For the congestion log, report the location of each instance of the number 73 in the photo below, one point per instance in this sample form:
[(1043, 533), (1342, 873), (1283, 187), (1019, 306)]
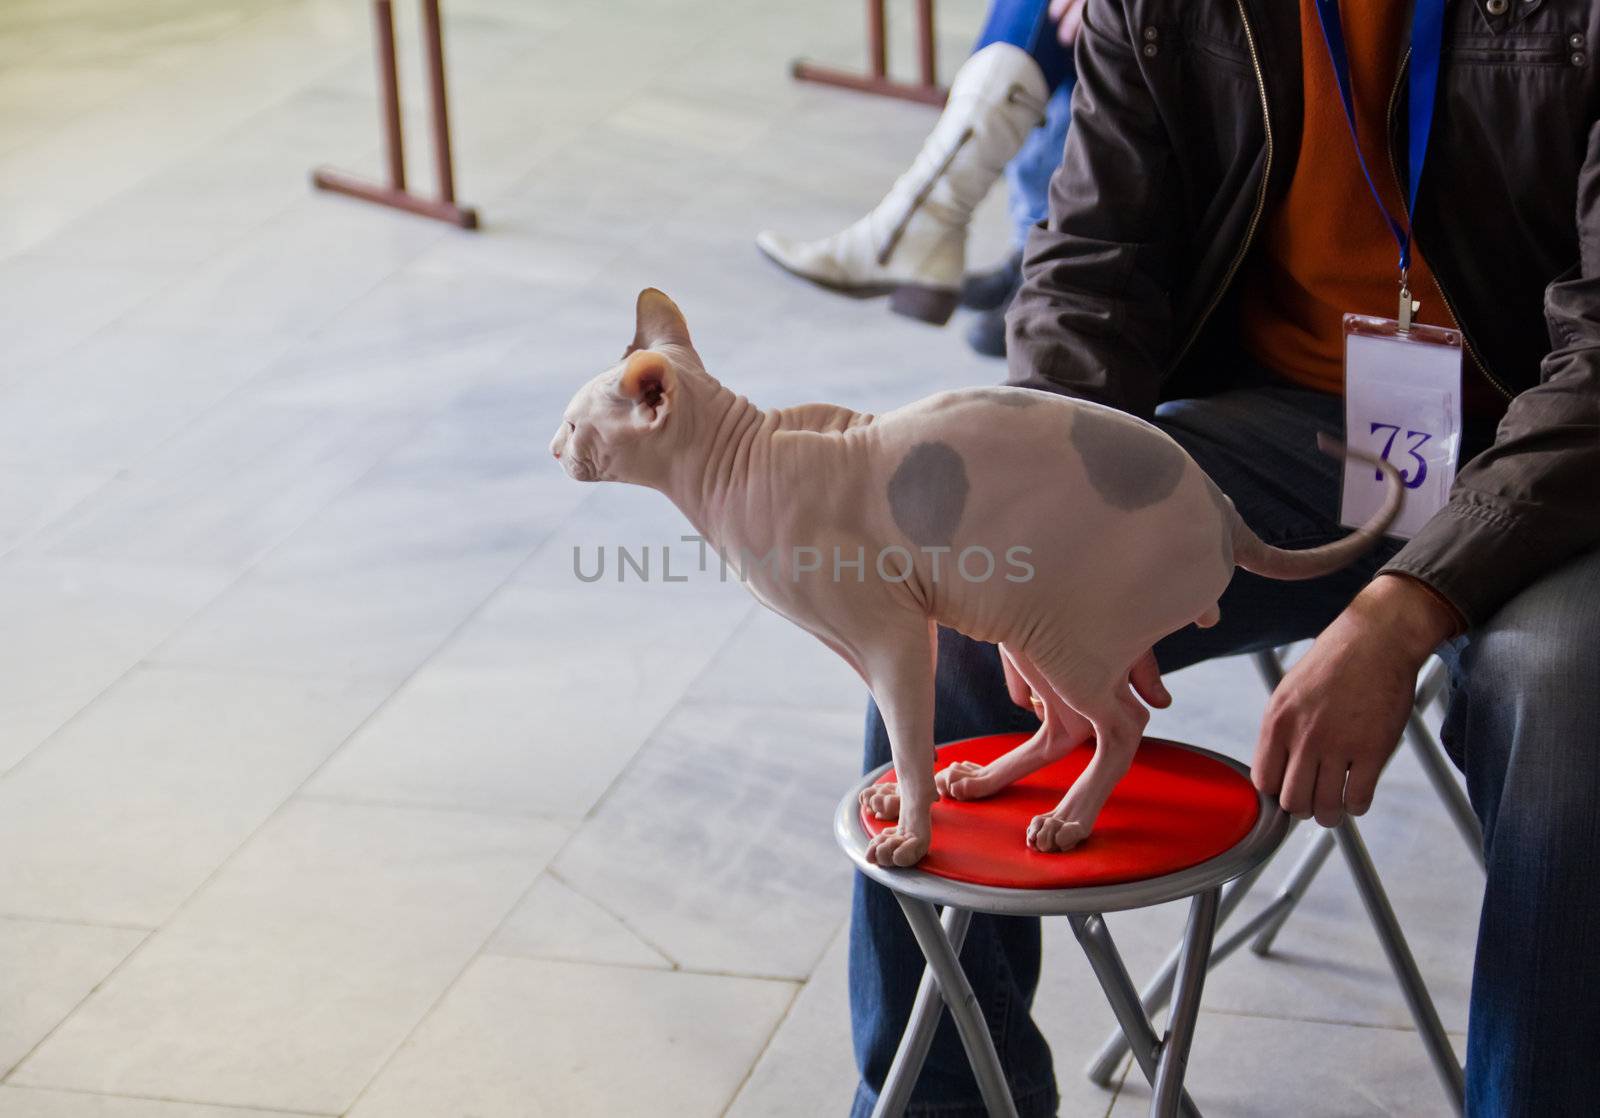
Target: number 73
[(1418, 438)]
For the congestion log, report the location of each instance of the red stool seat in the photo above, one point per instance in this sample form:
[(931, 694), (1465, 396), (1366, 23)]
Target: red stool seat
[(1176, 808)]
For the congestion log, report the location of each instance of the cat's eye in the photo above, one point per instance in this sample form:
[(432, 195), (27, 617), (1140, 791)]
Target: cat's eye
[(571, 426)]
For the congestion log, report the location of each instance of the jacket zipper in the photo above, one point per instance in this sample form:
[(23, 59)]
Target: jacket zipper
[(1261, 195), (1438, 285)]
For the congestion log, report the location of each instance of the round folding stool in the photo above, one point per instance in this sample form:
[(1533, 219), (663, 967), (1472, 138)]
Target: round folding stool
[(1182, 823)]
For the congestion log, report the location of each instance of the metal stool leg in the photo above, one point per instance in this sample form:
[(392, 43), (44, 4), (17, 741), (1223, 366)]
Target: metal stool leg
[(1265, 925), (1385, 925), (1156, 991), (1269, 919), (1400, 958), (1434, 763), (1293, 889), (1270, 667), (1431, 686), (957, 994), (920, 1027), (1192, 968), (1437, 767), (1095, 939)]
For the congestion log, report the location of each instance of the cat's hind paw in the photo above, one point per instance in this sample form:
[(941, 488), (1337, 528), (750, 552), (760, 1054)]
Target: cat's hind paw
[(882, 800), (965, 780), (1050, 834), (897, 846)]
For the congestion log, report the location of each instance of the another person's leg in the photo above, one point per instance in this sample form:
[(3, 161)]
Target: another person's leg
[(1028, 174), (1027, 24), (912, 245), (1522, 722), (1028, 184), (1260, 447)]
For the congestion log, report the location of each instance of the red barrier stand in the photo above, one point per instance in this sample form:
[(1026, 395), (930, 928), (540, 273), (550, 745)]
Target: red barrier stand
[(394, 192)]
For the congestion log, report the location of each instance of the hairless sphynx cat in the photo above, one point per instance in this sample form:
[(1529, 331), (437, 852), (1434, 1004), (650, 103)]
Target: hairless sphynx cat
[(1071, 534)]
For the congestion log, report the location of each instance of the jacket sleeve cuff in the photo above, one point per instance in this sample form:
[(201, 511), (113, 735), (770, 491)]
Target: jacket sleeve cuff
[(1472, 556)]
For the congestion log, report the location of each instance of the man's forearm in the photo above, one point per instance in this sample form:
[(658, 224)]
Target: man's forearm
[(1404, 610)]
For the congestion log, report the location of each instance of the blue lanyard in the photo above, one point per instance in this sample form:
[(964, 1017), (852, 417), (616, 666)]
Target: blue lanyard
[(1427, 36)]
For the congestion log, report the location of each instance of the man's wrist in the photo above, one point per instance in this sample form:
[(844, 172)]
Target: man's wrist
[(1415, 617)]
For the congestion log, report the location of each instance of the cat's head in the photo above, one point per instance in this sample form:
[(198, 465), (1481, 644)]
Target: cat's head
[(624, 424)]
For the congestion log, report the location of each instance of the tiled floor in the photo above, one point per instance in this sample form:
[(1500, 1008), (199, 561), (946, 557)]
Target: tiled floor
[(325, 787)]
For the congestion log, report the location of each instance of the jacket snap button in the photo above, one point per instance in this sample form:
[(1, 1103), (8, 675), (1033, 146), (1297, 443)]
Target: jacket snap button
[(1150, 34), (1497, 7), (1579, 58), (1150, 50), (1575, 40)]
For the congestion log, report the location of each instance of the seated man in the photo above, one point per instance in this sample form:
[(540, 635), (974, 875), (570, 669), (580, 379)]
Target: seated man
[(1210, 226)]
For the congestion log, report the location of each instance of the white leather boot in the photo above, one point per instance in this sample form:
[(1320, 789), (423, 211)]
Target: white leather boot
[(912, 246)]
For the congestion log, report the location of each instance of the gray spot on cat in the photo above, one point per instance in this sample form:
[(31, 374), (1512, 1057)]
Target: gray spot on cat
[(1226, 511), (1129, 469), (928, 493), (1011, 397)]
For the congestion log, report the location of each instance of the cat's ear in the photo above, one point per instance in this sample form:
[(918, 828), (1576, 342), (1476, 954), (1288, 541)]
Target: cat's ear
[(659, 322), (648, 383)]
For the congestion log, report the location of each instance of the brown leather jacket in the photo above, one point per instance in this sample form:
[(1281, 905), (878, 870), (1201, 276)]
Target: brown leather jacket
[(1185, 124)]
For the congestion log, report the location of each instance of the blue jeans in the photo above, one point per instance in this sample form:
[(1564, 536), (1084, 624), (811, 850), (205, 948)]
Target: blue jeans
[(1521, 723), (1028, 173), (1027, 24)]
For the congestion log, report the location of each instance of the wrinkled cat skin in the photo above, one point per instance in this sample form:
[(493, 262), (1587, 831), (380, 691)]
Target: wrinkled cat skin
[(1102, 537)]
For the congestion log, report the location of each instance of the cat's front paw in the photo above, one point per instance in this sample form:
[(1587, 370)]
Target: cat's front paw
[(965, 780), (898, 846), (882, 800), (1050, 834)]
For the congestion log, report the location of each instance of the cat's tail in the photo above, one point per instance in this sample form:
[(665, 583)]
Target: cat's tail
[(1274, 562)]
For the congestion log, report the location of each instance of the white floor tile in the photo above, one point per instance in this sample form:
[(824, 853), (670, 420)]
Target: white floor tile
[(555, 922), (717, 844), (32, 497), (73, 629), (808, 1069), (506, 718), (374, 623), (403, 376), (296, 271), (121, 394), (772, 662), (228, 488), (46, 969), (212, 79), (294, 974), (125, 812), (522, 1037), (49, 306), (32, 1102)]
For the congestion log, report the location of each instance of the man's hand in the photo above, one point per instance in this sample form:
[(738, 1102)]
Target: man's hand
[(1068, 15), (1341, 709)]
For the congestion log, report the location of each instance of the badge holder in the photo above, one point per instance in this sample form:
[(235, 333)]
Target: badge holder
[(1402, 404), (1402, 380)]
